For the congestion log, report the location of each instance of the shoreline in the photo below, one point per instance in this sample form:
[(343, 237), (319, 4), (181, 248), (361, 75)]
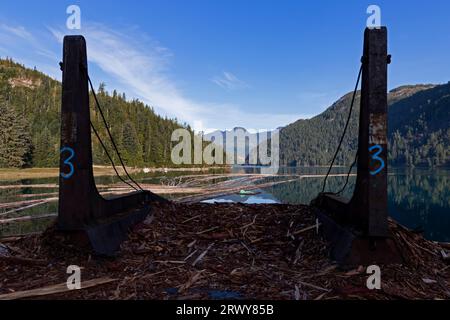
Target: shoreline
[(7, 174), (14, 174)]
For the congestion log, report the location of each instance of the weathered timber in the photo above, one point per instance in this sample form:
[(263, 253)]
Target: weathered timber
[(357, 229), (81, 207)]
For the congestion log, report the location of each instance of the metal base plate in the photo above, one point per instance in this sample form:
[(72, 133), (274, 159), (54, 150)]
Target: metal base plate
[(105, 236), (348, 247)]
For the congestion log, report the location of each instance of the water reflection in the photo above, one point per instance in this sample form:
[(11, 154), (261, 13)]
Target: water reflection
[(419, 199)]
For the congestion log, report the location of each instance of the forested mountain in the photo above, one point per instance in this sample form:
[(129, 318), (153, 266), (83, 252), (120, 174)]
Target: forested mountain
[(234, 146), (30, 104), (30, 101), (419, 130)]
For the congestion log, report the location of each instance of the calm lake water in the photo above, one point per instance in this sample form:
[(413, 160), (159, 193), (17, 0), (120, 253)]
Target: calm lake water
[(419, 199)]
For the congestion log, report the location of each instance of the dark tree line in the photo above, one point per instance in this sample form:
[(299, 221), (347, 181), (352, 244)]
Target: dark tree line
[(30, 105)]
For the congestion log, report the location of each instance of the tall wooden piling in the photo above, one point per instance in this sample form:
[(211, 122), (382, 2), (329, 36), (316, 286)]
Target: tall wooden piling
[(81, 207), (370, 199), (357, 229)]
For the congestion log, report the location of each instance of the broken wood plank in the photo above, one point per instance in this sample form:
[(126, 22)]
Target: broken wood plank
[(202, 255), (23, 203), (207, 230), (190, 219), (24, 208), (27, 218), (53, 289), (306, 229), (16, 237), (313, 286)]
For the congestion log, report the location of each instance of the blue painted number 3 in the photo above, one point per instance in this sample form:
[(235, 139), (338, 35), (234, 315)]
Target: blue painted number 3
[(376, 157), (67, 162)]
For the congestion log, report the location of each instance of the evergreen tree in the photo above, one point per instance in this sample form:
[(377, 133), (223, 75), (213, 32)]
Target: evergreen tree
[(133, 124), (43, 156), (131, 147), (15, 139)]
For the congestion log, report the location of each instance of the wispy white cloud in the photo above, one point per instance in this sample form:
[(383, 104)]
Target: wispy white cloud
[(18, 31), (229, 81), (32, 49), (141, 67)]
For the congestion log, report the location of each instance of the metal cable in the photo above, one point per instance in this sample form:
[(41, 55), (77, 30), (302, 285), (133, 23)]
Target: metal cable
[(110, 159), (109, 133), (348, 175), (345, 128)]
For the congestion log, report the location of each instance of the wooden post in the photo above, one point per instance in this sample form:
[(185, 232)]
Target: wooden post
[(81, 207), (370, 199), (76, 174), (357, 229)]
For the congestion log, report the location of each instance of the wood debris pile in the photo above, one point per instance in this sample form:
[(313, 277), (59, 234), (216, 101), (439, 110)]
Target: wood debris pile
[(220, 251)]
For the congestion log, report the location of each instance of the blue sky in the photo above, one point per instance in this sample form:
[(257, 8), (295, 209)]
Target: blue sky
[(225, 63)]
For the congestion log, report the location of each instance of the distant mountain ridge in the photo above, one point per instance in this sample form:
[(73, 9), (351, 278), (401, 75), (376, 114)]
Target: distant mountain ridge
[(419, 133), (241, 151), (313, 142)]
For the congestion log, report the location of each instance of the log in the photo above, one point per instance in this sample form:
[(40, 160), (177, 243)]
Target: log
[(27, 218), (296, 233), (53, 289), (24, 208), (16, 237), (23, 203)]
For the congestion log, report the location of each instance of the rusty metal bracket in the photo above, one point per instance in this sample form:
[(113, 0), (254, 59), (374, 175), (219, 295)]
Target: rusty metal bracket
[(81, 207)]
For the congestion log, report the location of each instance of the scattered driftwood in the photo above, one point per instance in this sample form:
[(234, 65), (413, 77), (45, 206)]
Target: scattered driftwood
[(200, 186), (27, 218), (314, 227), (210, 193), (19, 204), (17, 237), (23, 261), (23, 186), (202, 255), (257, 252), (58, 288), (24, 208), (35, 195), (191, 281), (313, 286)]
